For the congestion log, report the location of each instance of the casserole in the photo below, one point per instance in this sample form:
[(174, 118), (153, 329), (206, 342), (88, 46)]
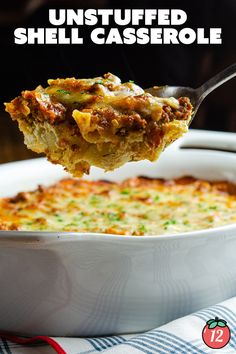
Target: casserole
[(77, 284), (136, 206)]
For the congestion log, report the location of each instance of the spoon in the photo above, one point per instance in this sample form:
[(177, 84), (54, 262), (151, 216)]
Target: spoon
[(197, 95)]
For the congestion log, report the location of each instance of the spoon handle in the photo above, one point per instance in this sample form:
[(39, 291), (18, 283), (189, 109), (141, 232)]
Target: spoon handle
[(216, 81)]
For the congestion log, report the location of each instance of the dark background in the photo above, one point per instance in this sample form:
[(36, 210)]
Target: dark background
[(26, 66)]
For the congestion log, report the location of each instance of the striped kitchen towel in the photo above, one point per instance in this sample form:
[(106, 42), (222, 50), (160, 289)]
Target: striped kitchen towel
[(193, 334)]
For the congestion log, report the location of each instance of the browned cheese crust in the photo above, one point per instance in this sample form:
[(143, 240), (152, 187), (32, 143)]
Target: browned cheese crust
[(137, 206)]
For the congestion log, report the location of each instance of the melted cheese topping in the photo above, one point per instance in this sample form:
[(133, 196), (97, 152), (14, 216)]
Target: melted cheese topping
[(137, 206)]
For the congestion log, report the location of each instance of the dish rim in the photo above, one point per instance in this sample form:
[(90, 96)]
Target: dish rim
[(60, 236)]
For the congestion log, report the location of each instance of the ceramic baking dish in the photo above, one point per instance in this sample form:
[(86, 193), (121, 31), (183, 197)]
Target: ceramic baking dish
[(77, 284)]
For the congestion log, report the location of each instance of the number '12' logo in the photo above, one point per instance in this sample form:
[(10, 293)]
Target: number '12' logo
[(216, 333)]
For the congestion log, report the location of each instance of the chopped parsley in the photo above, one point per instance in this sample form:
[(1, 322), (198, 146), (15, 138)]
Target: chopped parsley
[(142, 228), (64, 92), (72, 201), (86, 223), (125, 191), (213, 207), (95, 199), (79, 216), (58, 217), (204, 208), (169, 222), (113, 216), (156, 198), (71, 224), (131, 81), (100, 82)]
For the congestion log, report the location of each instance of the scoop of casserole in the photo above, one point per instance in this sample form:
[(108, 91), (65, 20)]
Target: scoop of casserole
[(98, 122)]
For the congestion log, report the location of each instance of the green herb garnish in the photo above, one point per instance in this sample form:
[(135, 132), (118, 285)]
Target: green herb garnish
[(213, 207), (71, 224), (95, 199), (113, 216), (58, 217), (142, 228), (169, 222), (64, 92), (79, 216), (125, 191), (72, 201)]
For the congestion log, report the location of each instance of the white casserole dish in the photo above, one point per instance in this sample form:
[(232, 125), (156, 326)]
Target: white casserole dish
[(74, 284)]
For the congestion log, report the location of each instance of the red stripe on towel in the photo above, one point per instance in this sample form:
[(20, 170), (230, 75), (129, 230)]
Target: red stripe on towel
[(48, 340)]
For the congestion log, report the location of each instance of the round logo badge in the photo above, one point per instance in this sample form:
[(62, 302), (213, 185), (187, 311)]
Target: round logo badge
[(216, 333)]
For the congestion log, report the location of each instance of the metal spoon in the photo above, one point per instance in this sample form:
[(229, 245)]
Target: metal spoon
[(197, 95)]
